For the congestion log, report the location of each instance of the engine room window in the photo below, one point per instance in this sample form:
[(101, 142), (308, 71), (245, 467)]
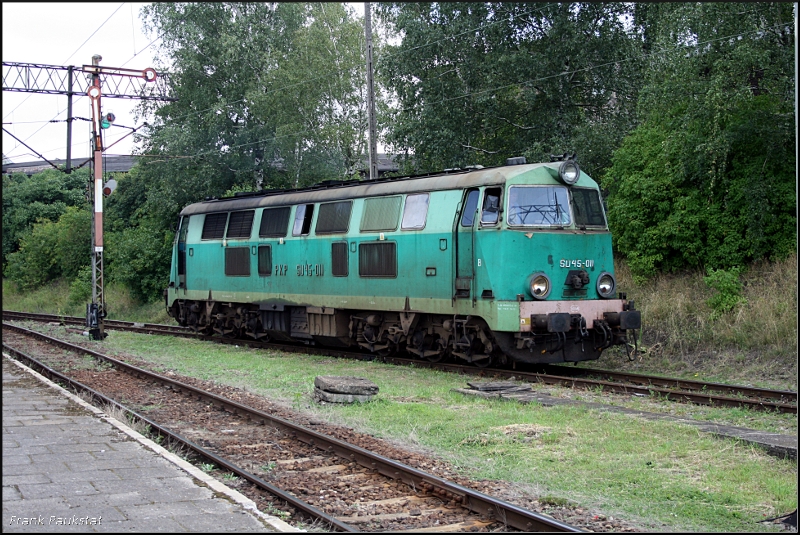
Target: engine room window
[(468, 213), (380, 214), (240, 224), (265, 260), (377, 259), (302, 220), (588, 208), (237, 261), (415, 212), (214, 226), (490, 213), (538, 206), (334, 217), (274, 222)]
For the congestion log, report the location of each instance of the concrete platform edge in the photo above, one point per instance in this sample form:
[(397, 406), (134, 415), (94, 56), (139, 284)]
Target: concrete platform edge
[(192, 470)]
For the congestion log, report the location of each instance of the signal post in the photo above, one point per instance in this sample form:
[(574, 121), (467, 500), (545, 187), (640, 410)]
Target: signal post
[(96, 310)]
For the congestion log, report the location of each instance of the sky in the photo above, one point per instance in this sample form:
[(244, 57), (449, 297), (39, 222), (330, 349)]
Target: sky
[(64, 34)]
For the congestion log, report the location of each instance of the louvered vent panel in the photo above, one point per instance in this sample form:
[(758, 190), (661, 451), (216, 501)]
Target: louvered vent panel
[(237, 261), (265, 260), (339, 259), (377, 259), (333, 217)]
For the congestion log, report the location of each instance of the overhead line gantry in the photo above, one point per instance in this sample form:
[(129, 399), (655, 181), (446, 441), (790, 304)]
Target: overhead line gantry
[(112, 82)]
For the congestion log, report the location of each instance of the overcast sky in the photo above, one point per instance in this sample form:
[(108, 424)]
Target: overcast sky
[(64, 34), (68, 34)]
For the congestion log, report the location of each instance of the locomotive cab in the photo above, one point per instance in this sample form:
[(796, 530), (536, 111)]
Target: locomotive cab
[(558, 246)]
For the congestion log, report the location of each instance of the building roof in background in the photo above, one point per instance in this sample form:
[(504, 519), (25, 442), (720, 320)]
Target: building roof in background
[(112, 163), (115, 163)]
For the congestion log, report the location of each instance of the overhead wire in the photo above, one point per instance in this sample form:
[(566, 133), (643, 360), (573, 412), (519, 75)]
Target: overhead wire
[(283, 88), (63, 62), (93, 33), (70, 57)]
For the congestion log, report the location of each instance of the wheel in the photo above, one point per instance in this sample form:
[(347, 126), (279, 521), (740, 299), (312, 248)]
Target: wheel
[(436, 358), (483, 363)]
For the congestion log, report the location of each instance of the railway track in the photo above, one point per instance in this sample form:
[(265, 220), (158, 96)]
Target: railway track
[(344, 486), (680, 390)]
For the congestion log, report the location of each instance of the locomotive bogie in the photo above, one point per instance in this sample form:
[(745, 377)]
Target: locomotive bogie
[(490, 265)]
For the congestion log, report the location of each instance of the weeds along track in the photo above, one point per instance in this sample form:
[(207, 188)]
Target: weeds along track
[(288, 469), (680, 390)]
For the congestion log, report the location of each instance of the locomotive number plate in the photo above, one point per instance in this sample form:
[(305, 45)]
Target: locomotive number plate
[(579, 263)]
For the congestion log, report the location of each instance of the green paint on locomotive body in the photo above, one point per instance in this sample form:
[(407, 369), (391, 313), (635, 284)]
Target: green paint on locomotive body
[(301, 273)]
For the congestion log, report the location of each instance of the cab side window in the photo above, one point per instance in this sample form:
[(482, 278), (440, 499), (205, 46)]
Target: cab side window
[(302, 220), (490, 213), (471, 205)]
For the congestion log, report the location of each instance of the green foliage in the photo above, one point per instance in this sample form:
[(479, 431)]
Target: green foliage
[(238, 189), (34, 264), (45, 195), (52, 250), (269, 96), (479, 82), (80, 289), (73, 252), (141, 259), (126, 206), (729, 290), (708, 178)]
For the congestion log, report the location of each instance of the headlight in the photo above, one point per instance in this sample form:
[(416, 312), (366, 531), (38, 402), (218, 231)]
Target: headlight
[(569, 172), (606, 285), (539, 285)]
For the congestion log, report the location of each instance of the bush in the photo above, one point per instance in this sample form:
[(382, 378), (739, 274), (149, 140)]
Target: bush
[(728, 291), (80, 290), (74, 250), (140, 259), (52, 250), (34, 264), (43, 196)]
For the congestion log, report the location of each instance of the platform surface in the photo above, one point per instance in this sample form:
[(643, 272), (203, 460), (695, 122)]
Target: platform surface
[(69, 467)]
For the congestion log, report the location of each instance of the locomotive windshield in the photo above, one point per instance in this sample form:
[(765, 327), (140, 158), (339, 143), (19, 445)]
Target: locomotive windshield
[(587, 208), (538, 206)]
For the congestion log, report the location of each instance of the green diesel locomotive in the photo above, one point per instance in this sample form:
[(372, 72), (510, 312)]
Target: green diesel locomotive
[(502, 264)]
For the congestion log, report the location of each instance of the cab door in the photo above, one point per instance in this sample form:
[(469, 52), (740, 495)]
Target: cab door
[(184, 229), (464, 239)]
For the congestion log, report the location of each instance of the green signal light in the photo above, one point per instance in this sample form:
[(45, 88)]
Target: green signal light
[(104, 123)]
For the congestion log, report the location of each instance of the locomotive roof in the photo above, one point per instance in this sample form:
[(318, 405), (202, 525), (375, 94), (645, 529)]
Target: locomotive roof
[(341, 190)]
